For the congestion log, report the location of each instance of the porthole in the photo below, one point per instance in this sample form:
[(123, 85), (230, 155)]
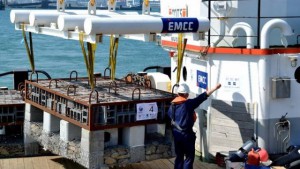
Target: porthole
[(184, 73), (297, 74)]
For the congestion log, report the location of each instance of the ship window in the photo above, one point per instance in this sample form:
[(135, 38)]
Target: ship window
[(184, 73), (297, 74)]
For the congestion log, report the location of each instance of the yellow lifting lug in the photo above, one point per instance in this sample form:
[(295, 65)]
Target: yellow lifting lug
[(111, 5), (60, 5), (92, 2), (92, 7), (146, 3), (89, 59), (146, 7), (29, 49), (181, 49), (113, 50)]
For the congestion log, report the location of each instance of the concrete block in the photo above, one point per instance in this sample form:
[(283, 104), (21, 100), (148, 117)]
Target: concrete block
[(92, 148), (134, 136), (85, 133), (31, 146), (50, 123), (156, 128), (63, 148), (69, 131), (85, 144), (33, 114), (91, 160), (92, 140), (137, 154), (113, 137), (27, 115)]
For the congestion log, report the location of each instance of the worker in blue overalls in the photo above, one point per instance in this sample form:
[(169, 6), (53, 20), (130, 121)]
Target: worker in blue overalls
[(183, 116)]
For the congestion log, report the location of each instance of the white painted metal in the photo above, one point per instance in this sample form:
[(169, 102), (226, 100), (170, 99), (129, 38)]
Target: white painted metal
[(220, 37), (69, 22), (251, 73), (160, 81), (19, 16), (92, 10), (248, 30), (284, 27), (133, 25), (43, 18), (121, 26), (22, 15)]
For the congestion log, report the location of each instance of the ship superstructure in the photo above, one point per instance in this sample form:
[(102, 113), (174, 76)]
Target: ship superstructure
[(252, 49)]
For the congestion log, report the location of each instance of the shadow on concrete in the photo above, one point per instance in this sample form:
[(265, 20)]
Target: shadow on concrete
[(68, 164)]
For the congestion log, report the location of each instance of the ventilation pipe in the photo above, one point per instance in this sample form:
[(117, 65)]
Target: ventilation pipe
[(248, 30), (284, 27), (218, 39), (222, 8)]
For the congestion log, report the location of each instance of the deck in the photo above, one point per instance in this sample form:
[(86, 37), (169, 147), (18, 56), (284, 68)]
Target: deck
[(57, 162)]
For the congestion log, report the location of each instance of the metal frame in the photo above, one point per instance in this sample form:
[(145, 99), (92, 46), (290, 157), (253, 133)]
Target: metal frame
[(90, 123)]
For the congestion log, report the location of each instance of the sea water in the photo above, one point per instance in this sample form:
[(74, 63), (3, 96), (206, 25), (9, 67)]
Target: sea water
[(59, 56)]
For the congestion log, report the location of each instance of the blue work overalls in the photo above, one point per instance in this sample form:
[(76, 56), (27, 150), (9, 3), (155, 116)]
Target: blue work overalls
[(184, 136)]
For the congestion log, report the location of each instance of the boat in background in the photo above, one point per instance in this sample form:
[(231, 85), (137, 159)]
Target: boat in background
[(75, 4)]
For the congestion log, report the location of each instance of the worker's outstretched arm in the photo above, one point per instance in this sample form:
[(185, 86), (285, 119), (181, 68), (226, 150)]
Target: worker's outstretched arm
[(210, 91)]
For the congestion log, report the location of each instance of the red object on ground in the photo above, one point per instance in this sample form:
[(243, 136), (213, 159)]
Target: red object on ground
[(220, 161), (253, 158), (263, 155)]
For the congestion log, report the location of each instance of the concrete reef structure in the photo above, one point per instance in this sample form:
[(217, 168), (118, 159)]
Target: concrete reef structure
[(97, 129), (11, 109)]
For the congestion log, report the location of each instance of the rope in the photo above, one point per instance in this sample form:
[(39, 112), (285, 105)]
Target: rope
[(113, 50), (29, 50), (181, 49), (89, 58)]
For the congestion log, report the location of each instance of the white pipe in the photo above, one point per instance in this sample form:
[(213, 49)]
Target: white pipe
[(274, 23), (22, 16), (142, 25), (19, 16), (69, 22), (43, 17), (264, 102), (248, 30), (217, 40)]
